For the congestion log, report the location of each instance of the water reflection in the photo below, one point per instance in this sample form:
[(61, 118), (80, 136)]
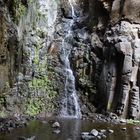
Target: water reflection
[(71, 130)]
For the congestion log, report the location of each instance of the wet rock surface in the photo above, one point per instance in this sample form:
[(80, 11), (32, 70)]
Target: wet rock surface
[(56, 125), (8, 124), (24, 138), (121, 74), (96, 134)]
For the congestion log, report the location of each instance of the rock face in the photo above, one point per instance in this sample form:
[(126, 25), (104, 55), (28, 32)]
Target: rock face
[(25, 77), (122, 8), (8, 53), (8, 50), (107, 61), (120, 70), (119, 77), (96, 41)]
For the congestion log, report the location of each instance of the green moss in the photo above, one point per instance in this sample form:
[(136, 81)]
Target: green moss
[(2, 100), (3, 114), (36, 57), (19, 10), (34, 106), (130, 121), (30, 1), (42, 102), (42, 82)]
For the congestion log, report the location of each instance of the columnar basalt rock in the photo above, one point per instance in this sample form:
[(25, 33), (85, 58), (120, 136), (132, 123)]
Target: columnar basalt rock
[(122, 39), (126, 49), (134, 109)]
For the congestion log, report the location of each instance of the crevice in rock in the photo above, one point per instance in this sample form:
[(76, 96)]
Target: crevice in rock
[(122, 4)]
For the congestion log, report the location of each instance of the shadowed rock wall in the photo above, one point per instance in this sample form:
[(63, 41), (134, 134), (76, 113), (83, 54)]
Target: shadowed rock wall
[(118, 87), (8, 49)]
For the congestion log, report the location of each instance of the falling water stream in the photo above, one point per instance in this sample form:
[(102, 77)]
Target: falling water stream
[(70, 106), (48, 11)]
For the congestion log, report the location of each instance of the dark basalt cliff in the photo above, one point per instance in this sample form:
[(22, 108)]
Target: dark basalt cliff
[(41, 41)]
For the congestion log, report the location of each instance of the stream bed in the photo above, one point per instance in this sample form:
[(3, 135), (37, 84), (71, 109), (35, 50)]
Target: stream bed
[(71, 129)]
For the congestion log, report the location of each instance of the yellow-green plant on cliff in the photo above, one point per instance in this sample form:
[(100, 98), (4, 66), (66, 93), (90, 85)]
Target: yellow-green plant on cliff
[(45, 94), (20, 9), (42, 90)]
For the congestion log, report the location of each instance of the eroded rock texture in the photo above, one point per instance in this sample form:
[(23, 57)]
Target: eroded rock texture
[(119, 80), (106, 57), (8, 49), (120, 69), (8, 52)]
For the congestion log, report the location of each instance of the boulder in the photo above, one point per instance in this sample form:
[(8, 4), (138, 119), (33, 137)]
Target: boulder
[(86, 136), (56, 125), (94, 132), (110, 131)]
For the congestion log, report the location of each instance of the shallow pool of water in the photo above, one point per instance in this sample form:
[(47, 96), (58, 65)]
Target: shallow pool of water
[(71, 130)]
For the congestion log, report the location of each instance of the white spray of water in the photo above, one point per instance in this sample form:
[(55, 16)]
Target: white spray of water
[(71, 106)]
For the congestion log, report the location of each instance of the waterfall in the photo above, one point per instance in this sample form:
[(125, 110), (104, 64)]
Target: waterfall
[(40, 17), (70, 107)]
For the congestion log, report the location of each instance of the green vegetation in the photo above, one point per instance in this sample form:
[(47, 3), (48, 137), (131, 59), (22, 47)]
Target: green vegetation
[(130, 121), (2, 101), (42, 101), (42, 90), (2, 104), (20, 9), (34, 106), (3, 114)]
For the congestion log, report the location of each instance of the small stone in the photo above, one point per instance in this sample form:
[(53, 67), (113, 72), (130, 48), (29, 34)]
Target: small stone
[(24, 138), (110, 131), (103, 131), (100, 134), (137, 128), (56, 131), (122, 121), (94, 132), (31, 138), (87, 137), (99, 137), (56, 125), (103, 136), (124, 129), (85, 133)]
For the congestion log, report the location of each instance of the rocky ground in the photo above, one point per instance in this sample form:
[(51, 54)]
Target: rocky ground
[(8, 124)]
